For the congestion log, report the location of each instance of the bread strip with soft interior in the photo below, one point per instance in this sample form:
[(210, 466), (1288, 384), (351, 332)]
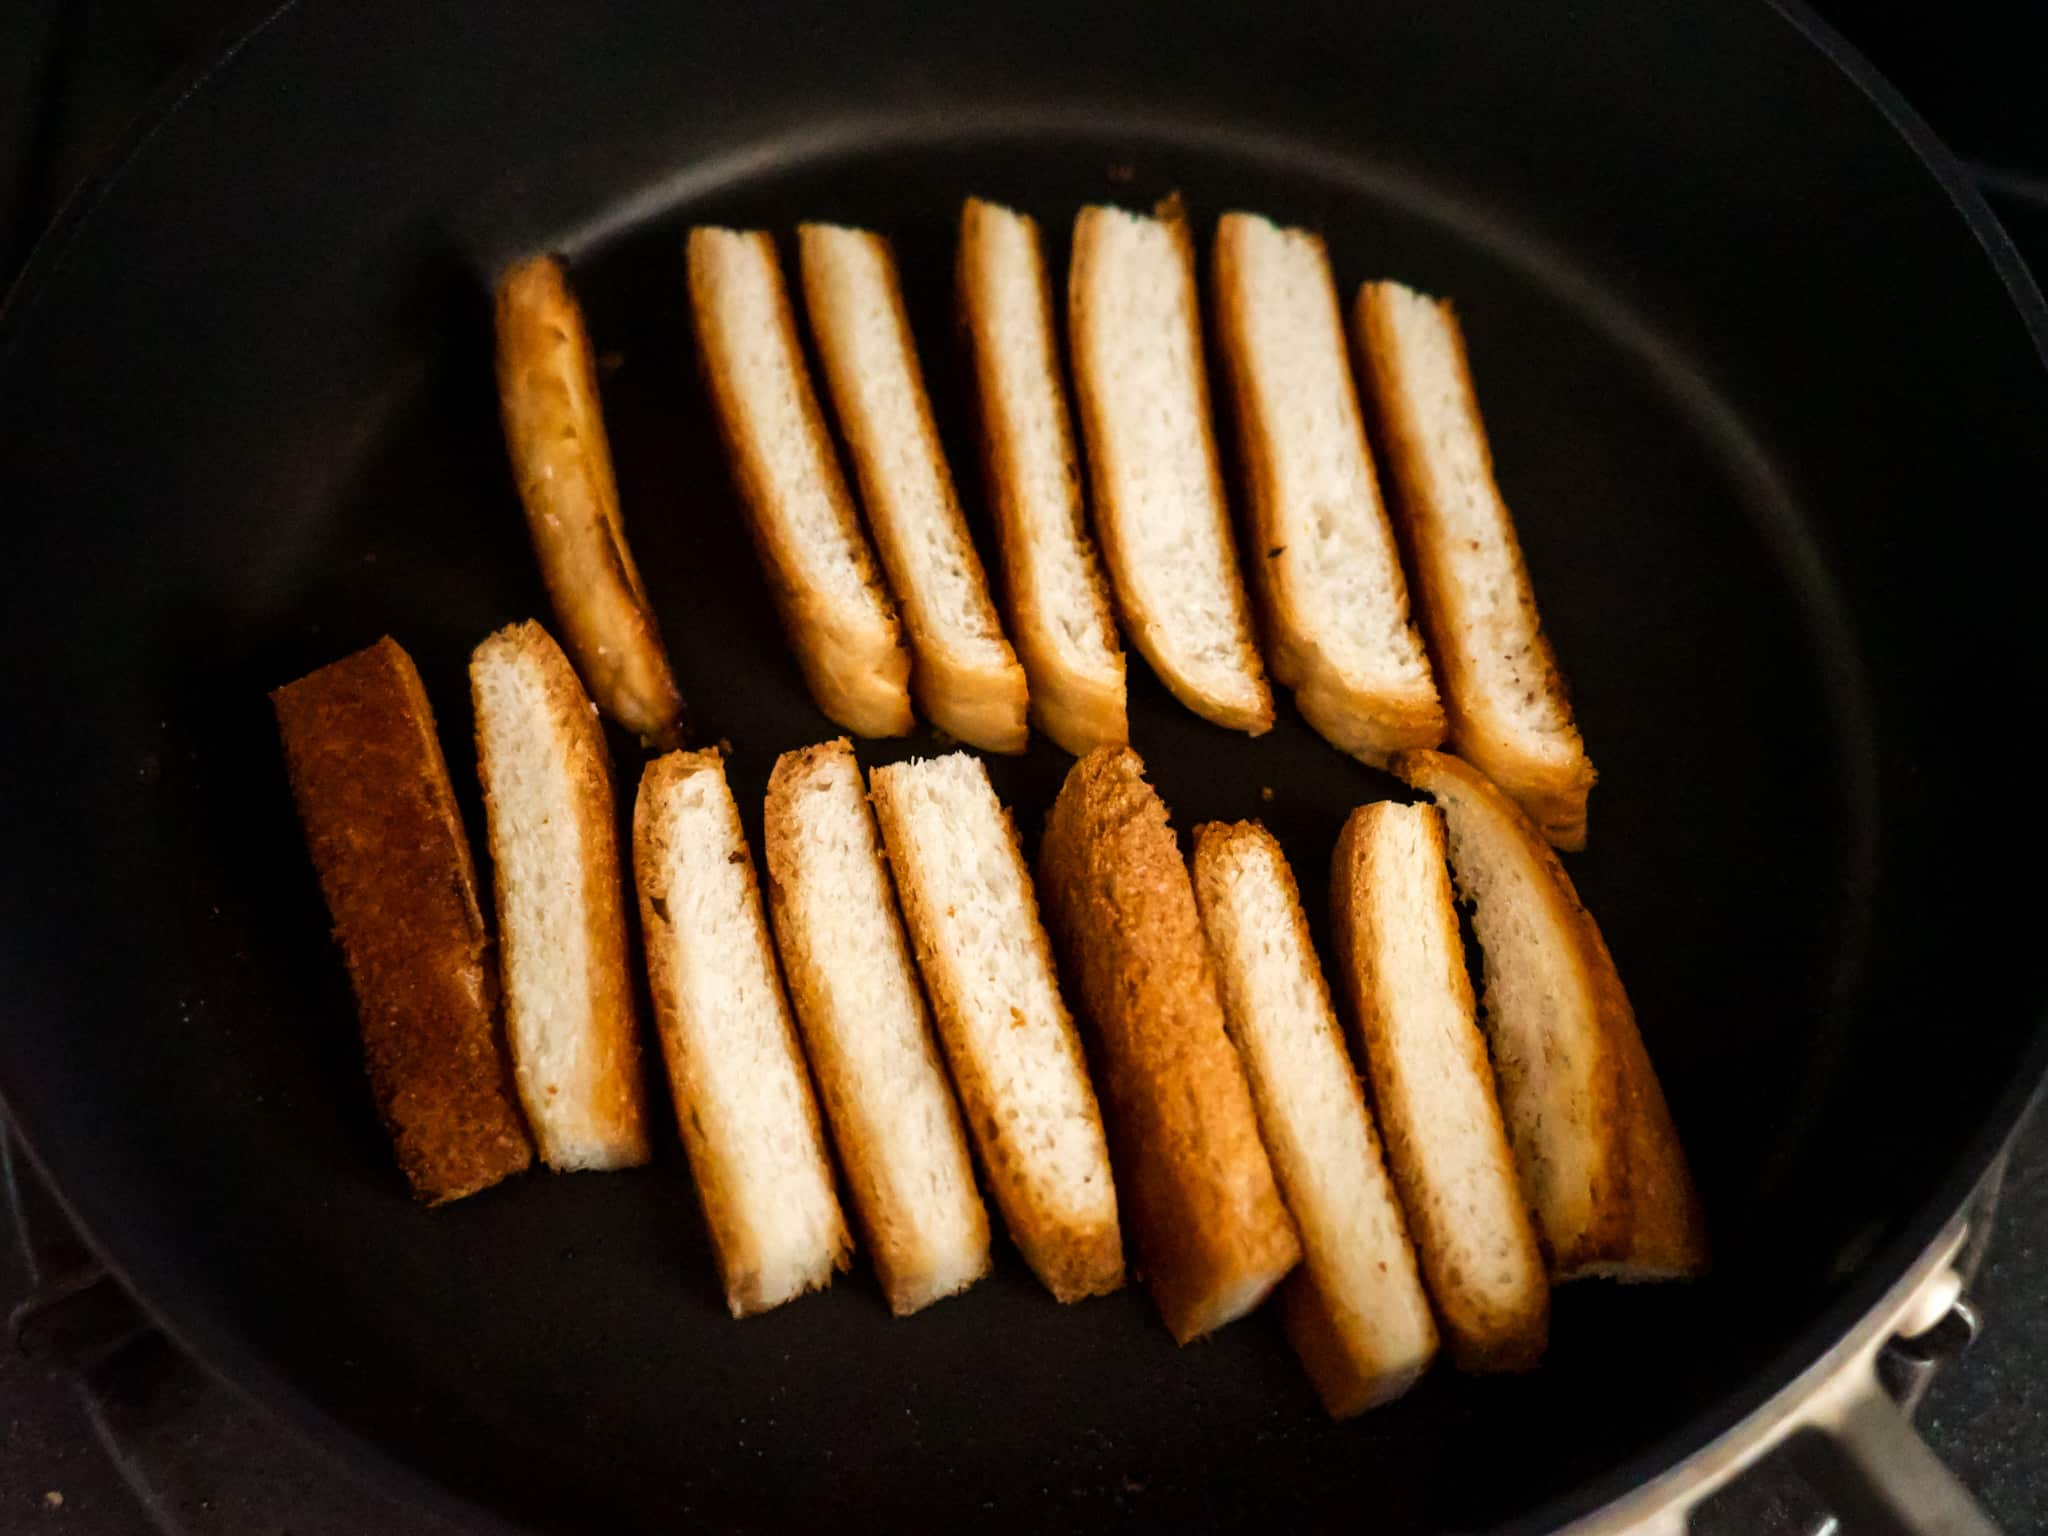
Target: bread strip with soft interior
[(743, 1099), (562, 462), (840, 620), (1322, 553), (394, 864), (1015, 1055), (1054, 594), (965, 676), (1355, 1310), (1600, 1158), (868, 1033), (1398, 950), (562, 963), (1160, 512), (1191, 1169), (1503, 695)]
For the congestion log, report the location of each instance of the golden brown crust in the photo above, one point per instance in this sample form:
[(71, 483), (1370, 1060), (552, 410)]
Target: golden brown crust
[(561, 458), (978, 695), (1073, 1258), (1369, 721), (903, 1258), (727, 1219), (1667, 1228), (1077, 693), (1190, 1164), (1483, 1334), (1552, 787), (855, 662), (1647, 1222), (384, 834), (616, 1108), (1091, 395)]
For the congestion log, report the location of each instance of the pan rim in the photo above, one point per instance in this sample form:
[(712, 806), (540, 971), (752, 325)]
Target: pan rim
[(217, 1349)]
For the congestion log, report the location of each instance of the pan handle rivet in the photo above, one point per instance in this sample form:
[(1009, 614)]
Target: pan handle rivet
[(1940, 1297)]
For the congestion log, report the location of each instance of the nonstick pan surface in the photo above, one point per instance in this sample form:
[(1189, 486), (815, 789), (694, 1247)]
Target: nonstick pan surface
[(1763, 394)]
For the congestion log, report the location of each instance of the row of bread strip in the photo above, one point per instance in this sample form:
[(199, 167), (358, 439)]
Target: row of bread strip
[(872, 634), (1592, 1176)]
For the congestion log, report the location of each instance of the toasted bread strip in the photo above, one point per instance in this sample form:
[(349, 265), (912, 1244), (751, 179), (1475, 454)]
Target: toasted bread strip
[(1009, 1039), (1396, 937), (1193, 1173), (380, 821), (868, 1033), (1355, 1310), (1336, 604), (743, 1099), (547, 782), (1159, 506), (562, 460), (1506, 702), (820, 571), (1054, 595), (966, 677), (1600, 1159)]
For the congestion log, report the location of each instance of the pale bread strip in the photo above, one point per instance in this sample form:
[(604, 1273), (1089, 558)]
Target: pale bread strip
[(1192, 1172), (867, 1031), (547, 782), (1600, 1159), (965, 676), (1015, 1056), (1160, 513), (1507, 707), (1355, 1310), (1398, 950), (1056, 600), (743, 1100), (1327, 569), (562, 461), (820, 571)]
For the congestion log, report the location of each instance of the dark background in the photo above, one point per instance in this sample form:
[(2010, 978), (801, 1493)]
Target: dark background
[(75, 76)]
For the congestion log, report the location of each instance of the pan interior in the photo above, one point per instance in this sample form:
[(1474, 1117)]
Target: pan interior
[(1648, 524), (262, 441)]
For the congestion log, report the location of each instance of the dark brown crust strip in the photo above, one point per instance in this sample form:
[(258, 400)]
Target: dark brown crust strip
[(1190, 1165), (381, 824)]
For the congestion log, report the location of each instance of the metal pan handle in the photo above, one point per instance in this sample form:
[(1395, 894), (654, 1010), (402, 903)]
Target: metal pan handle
[(1872, 1469), (1840, 1429)]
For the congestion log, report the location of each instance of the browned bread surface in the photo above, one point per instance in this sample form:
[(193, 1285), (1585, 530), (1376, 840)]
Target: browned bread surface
[(562, 461), (380, 822), (1191, 1168)]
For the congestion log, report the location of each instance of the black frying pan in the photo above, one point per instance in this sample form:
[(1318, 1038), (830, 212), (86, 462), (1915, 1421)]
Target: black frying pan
[(1763, 393)]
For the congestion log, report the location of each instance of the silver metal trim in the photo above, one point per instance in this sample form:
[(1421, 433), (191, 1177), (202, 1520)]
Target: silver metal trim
[(1870, 1439)]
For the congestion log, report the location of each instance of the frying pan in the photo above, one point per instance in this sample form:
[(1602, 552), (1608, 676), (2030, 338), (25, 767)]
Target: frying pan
[(1766, 390)]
